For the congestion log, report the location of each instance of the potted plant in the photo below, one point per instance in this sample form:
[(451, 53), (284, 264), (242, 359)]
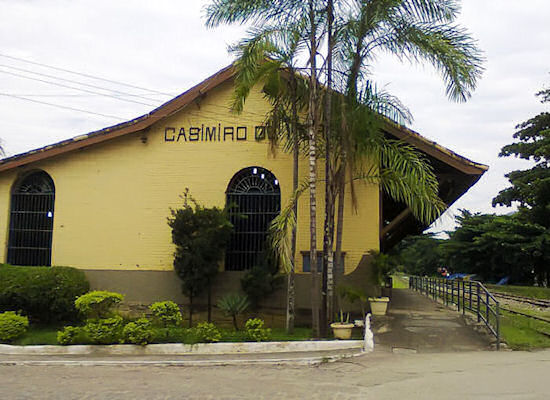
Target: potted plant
[(342, 328), (381, 266)]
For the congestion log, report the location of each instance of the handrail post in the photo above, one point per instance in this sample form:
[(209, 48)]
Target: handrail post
[(452, 292), (497, 309), (470, 293), (463, 297), (478, 310), (487, 306)]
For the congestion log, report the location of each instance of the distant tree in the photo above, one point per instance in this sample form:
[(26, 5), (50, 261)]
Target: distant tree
[(201, 235), (531, 187), (495, 246), (420, 255)]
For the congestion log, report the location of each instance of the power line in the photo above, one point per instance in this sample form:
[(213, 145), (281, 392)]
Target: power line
[(76, 88), (73, 81), (85, 75), (53, 95), (60, 106)]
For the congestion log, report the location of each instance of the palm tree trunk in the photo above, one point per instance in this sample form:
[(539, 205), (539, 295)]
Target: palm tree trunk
[(340, 219), (290, 297), (328, 260), (312, 131)]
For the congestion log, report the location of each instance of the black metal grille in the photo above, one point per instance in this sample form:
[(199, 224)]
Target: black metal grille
[(255, 197), (31, 221)]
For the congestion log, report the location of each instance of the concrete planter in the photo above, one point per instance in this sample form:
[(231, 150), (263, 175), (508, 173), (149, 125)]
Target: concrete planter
[(379, 305), (342, 330)]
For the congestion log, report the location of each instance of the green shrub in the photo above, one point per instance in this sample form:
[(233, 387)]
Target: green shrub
[(69, 335), (98, 304), (166, 313), (233, 305), (261, 281), (44, 294), (206, 332), (138, 332), (12, 326), (255, 330), (105, 330)]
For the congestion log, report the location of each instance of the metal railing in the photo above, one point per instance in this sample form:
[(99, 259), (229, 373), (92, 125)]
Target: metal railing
[(469, 296)]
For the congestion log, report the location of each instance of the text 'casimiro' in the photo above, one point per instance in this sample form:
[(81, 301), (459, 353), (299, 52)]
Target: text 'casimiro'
[(209, 133)]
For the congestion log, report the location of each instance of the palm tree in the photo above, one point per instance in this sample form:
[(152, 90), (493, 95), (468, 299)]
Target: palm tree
[(269, 56), (414, 30), (284, 13)]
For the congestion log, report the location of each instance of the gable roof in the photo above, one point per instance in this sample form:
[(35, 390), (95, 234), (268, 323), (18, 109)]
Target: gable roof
[(195, 93)]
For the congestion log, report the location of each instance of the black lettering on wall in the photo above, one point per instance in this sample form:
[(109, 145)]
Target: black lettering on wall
[(210, 134), (259, 133), (228, 130), (241, 133), (182, 134), (172, 132), (194, 133)]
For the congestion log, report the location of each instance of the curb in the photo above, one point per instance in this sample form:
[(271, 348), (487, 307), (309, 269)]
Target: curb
[(306, 361), (185, 349)]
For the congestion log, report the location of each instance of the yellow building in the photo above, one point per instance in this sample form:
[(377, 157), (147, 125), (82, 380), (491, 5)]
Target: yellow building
[(100, 201)]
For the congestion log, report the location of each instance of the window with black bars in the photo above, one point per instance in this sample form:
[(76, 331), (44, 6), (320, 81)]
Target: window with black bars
[(31, 221), (254, 198)]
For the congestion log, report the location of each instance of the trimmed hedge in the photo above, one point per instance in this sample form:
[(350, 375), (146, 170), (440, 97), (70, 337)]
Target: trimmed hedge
[(44, 294)]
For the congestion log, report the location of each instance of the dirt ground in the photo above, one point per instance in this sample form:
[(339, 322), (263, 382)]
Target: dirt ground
[(380, 375)]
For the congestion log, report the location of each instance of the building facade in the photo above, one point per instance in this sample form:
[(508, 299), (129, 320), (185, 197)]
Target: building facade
[(100, 202)]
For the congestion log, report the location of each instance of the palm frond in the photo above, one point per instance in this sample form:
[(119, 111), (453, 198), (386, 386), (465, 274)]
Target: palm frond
[(281, 228)]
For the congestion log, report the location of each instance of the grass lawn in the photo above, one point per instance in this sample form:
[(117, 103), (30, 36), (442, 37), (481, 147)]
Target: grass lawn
[(400, 281), (527, 291), (523, 333), (39, 335)]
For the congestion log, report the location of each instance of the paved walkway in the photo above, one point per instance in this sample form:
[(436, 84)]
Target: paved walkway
[(416, 323)]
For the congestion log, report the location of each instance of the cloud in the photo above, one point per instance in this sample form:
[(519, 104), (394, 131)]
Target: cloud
[(164, 45)]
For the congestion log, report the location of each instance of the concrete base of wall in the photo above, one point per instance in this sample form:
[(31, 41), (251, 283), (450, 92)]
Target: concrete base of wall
[(145, 287)]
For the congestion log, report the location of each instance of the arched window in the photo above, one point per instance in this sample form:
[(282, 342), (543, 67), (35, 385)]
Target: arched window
[(31, 220), (256, 198)]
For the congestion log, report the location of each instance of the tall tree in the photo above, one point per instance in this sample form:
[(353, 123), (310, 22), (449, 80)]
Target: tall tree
[(530, 188), (415, 30), (268, 57), (497, 246), (200, 235), (420, 255)]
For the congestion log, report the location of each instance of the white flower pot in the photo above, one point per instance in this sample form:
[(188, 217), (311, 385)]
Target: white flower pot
[(342, 330), (378, 305)]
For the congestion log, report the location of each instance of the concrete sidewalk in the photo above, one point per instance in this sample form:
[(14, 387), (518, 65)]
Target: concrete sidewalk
[(415, 323)]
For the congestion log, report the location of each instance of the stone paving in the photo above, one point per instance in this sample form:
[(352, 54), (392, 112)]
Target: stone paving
[(415, 323)]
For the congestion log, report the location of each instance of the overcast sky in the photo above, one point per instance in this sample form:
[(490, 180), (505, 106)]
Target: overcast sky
[(163, 46)]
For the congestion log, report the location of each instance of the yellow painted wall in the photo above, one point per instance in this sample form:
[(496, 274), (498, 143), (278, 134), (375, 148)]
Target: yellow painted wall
[(113, 199)]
